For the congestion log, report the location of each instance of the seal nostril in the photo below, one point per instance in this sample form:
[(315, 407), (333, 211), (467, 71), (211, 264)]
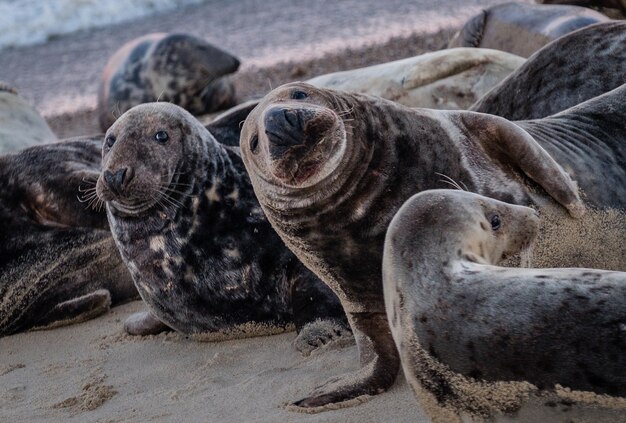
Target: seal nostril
[(115, 179), (291, 117)]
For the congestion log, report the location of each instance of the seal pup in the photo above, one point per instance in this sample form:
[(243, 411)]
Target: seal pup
[(521, 28), (176, 68), (201, 253), (59, 262), (446, 79), (21, 125), (446, 298), (330, 170), (574, 68)]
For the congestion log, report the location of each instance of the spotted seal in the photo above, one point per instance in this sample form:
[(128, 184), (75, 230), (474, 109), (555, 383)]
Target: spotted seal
[(331, 168), (574, 68), (176, 68), (521, 28), (21, 126), (445, 297), (59, 262), (201, 252), (445, 79)]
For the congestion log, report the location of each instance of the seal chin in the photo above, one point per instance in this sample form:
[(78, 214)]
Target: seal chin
[(131, 209)]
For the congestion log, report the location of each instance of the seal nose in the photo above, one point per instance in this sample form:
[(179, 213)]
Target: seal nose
[(284, 127), (115, 180)]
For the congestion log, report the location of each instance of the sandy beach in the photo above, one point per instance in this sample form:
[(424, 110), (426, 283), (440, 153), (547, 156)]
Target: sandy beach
[(93, 372)]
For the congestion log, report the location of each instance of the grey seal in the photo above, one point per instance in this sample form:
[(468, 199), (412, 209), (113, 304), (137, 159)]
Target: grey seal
[(521, 28), (59, 262), (330, 170), (446, 79), (446, 298), (176, 68), (568, 71), (201, 253), (21, 125)]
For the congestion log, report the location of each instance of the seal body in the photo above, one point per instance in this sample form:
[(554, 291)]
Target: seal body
[(331, 169), (21, 126), (521, 28), (202, 254), (445, 297), (612, 8), (59, 262), (445, 79), (572, 69), (175, 68)]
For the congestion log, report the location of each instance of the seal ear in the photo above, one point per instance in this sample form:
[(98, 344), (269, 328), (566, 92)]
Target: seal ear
[(226, 128), (508, 144)]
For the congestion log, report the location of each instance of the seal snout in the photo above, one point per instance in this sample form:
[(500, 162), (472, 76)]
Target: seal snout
[(118, 179), (284, 128)]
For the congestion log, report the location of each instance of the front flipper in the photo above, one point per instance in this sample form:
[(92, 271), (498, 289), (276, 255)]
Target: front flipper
[(317, 314), (76, 310), (144, 323), (379, 364)]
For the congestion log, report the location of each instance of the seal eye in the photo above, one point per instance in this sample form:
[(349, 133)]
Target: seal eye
[(495, 222), (109, 141), (254, 144), (299, 95), (161, 136)]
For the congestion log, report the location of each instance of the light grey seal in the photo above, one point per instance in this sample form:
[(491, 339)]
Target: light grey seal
[(521, 28), (21, 125), (175, 68), (446, 298)]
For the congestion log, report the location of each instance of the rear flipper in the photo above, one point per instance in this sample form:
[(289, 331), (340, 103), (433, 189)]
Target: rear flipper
[(144, 323), (76, 310), (318, 315)]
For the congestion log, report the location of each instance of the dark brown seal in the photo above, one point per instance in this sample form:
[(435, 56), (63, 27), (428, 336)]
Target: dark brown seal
[(59, 263), (331, 169), (576, 67), (201, 252), (521, 28), (176, 68), (449, 304)]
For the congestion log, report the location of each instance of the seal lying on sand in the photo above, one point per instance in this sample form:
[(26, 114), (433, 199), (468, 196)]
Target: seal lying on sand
[(175, 68), (522, 28), (330, 170), (445, 298), (445, 79), (21, 126), (576, 67), (59, 263), (188, 226)]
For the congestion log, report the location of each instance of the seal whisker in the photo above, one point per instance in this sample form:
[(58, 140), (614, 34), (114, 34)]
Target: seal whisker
[(451, 181)]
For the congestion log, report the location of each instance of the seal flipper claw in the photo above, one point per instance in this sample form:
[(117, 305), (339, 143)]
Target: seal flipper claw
[(144, 323), (77, 310)]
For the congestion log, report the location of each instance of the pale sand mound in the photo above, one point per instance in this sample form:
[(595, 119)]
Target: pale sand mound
[(92, 372)]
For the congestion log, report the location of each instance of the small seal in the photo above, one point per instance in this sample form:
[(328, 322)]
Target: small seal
[(445, 79), (576, 67), (59, 262), (21, 125), (175, 68), (521, 28), (202, 254), (330, 170), (446, 298)]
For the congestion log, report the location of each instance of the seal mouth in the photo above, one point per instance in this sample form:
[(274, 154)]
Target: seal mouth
[(132, 209)]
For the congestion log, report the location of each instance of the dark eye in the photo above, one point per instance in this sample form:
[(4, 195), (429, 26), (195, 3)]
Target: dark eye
[(109, 141), (495, 222), (254, 144), (299, 95), (161, 136)]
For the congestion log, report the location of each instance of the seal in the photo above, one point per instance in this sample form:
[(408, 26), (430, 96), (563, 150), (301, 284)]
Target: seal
[(201, 253), (521, 28), (59, 262), (446, 79), (21, 125), (176, 68), (615, 9), (562, 74), (446, 298), (330, 170)]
